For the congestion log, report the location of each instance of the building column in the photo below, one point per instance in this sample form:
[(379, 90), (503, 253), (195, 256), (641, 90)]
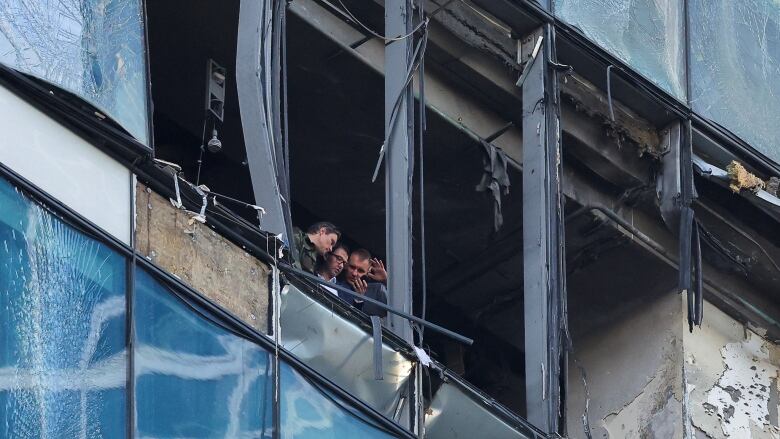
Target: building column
[(543, 241)]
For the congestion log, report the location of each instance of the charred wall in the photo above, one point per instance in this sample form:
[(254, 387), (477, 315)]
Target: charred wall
[(633, 372)]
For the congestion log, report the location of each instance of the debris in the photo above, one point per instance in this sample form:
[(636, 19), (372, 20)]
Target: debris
[(773, 186), (741, 178)]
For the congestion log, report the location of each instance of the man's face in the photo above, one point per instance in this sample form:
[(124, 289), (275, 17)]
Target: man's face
[(324, 241), (356, 268), (336, 261)]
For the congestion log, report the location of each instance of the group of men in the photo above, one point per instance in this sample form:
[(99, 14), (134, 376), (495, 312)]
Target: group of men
[(321, 253)]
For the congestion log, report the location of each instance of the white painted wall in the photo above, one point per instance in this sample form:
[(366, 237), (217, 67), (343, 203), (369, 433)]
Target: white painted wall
[(65, 166)]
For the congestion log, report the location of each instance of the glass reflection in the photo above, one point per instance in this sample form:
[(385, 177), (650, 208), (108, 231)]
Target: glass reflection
[(93, 48), (308, 412), (645, 34), (193, 378), (735, 68), (62, 327)]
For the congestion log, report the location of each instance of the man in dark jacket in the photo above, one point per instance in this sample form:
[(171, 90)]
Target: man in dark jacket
[(360, 266), (314, 244)]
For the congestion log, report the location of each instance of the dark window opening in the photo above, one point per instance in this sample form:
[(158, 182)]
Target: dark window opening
[(474, 274), (183, 37)]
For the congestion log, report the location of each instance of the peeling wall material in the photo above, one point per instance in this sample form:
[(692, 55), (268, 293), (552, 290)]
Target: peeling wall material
[(634, 375), (732, 375), (202, 258)]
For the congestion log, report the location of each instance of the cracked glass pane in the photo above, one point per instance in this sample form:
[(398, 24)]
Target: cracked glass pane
[(93, 48), (648, 35), (735, 68), (62, 327)]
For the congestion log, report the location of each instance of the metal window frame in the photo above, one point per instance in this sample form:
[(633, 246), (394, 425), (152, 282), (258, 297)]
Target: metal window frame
[(523, 15), (184, 292)]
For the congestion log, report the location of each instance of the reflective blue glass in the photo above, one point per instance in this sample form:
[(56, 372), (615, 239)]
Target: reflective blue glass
[(735, 68), (193, 378), (308, 412), (62, 327), (648, 35), (93, 48)]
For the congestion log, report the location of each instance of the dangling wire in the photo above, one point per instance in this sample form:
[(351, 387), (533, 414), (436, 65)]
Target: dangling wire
[(202, 147), (419, 53), (421, 133), (345, 11)]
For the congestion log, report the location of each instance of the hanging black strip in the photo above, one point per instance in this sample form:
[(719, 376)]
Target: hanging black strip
[(685, 263), (699, 279)]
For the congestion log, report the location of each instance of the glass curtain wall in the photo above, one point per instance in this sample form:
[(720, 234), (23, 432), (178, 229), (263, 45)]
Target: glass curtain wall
[(735, 68), (193, 378), (63, 359), (648, 35), (92, 48), (64, 362)]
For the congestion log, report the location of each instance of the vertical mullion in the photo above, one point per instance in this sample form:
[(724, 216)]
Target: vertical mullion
[(129, 316)]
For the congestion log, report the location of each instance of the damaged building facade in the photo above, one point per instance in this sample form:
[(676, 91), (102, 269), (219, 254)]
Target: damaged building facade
[(577, 202)]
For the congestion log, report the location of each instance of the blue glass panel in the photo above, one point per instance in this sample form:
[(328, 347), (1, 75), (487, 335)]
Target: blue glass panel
[(62, 327), (648, 35), (93, 48), (308, 412), (193, 378), (735, 68)]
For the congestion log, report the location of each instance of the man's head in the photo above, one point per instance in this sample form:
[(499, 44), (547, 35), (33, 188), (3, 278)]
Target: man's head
[(334, 262), (324, 236), (358, 264)]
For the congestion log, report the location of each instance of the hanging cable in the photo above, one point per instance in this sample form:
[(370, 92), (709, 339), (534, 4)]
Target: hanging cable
[(202, 147), (609, 92), (421, 134), (345, 11), (418, 54)]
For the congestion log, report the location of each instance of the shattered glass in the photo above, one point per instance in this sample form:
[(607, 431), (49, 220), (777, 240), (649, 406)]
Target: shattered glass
[(648, 35), (735, 68), (193, 378), (93, 48), (62, 327)]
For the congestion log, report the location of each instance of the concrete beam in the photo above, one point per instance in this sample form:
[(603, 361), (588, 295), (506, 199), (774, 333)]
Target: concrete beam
[(459, 109)]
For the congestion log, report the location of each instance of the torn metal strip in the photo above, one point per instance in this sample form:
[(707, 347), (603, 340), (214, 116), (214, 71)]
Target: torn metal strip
[(530, 63), (376, 329), (177, 204)]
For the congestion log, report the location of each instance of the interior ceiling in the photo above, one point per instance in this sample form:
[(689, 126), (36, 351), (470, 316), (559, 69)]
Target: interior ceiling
[(336, 120), (183, 36)]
